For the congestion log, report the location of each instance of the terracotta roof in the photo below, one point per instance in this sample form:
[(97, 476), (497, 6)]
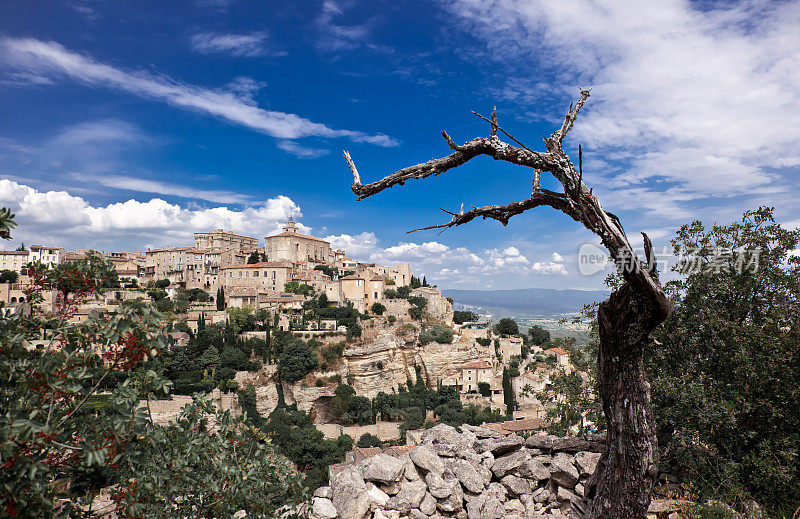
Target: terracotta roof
[(378, 277), (14, 252), (280, 298), (262, 264), (527, 424), (173, 249), (241, 292), (558, 351), (351, 277), (298, 235), (369, 452), (478, 364), (400, 449)]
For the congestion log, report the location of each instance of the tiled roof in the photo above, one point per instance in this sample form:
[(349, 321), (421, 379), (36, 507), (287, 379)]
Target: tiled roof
[(558, 351), (478, 364), (14, 252)]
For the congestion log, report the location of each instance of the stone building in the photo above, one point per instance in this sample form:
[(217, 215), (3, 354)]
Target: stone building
[(268, 276), (13, 260), (48, 255), (363, 290), (562, 358), (509, 347), (472, 374), (225, 240), (292, 246)]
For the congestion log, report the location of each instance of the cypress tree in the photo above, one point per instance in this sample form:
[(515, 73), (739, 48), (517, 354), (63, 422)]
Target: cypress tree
[(221, 298)]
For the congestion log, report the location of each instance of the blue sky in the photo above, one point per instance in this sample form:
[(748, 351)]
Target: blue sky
[(126, 126)]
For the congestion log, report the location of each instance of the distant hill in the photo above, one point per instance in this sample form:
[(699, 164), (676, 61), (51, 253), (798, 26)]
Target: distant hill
[(524, 303)]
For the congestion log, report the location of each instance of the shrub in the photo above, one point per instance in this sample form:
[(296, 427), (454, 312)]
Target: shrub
[(461, 316), (296, 361), (391, 319), (484, 389), (369, 440), (390, 293), (378, 308)]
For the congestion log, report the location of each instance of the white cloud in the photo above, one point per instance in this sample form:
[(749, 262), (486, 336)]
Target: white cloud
[(359, 246), (53, 60), (60, 218), (558, 257), (704, 98), (246, 45), (301, 151), (165, 188)]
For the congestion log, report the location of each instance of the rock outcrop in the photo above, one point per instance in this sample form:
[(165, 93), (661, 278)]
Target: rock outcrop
[(467, 473)]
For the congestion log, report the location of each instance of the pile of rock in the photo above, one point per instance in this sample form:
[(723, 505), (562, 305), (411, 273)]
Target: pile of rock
[(469, 472)]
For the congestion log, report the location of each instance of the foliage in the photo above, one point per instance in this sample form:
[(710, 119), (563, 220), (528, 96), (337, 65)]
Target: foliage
[(8, 276), (538, 335), (726, 377), (390, 293), (572, 400), (295, 287), (415, 313), (162, 283), (508, 393), (329, 271), (415, 282), (483, 341), (484, 389), (242, 319), (296, 438), (463, 316), (438, 333), (55, 427), (403, 292), (221, 298), (369, 440), (353, 331), (296, 361), (506, 326), (377, 308), (253, 258)]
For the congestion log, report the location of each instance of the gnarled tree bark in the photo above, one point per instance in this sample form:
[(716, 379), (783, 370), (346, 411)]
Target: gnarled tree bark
[(623, 482)]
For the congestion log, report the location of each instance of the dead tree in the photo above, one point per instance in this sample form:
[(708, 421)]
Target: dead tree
[(621, 487)]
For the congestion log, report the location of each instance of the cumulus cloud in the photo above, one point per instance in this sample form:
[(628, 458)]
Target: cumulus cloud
[(703, 100), (360, 246), (52, 60), (58, 217)]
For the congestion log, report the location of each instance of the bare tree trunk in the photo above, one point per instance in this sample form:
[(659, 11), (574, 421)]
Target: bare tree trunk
[(623, 482)]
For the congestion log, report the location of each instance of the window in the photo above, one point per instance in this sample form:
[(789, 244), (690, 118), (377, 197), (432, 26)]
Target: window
[(375, 296), (255, 274)]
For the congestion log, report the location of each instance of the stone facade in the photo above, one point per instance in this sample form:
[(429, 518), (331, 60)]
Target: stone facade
[(269, 276), (292, 246)]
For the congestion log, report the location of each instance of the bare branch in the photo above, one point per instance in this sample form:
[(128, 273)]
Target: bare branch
[(496, 127), (494, 148), (352, 165), (569, 119), (503, 213)]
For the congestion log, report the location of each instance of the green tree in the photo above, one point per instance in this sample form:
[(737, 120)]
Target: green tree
[(726, 376), (253, 258), (377, 308), (506, 326), (221, 298), (484, 389), (295, 287), (296, 361), (508, 393), (8, 276), (369, 440), (538, 335), (462, 316)]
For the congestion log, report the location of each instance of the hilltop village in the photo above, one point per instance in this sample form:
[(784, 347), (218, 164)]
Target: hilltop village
[(350, 345)]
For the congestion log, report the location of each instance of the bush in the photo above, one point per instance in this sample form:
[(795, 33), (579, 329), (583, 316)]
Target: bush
[(538, 335), (390, 293), (378, 308), (484, 389), (461, 316), (391, 319), (369, 440), (353, 331), (415, 313), (296, 361), (506, 326)]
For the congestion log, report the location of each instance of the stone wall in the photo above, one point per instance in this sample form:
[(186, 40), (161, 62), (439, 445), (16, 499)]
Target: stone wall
[(468, 473), (438, 306)]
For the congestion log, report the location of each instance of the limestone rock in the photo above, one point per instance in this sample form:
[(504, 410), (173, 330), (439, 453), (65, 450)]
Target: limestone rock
[(587, 462), (323, 492), (428, 505), (382, 468), (349, 494), (391, 488), (438, 487), (424, 458), (533, 469), (468, 475), (509, 462), (323, 508), (516, 485), (410, 496), (377, 497), (563, 472), (514, 509), (481, 432), (498, 446)]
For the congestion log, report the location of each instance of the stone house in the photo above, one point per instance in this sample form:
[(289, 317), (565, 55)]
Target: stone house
[(225, 240), (363, 290), (509, 347), (48, 255), (294, 247), (14, 260), (562, 358), (472, 374), (268, 276)]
